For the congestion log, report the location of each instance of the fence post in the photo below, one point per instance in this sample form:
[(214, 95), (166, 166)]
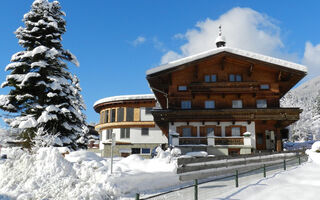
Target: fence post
[(264, 170), (137, 196), (196, 189), (284, 164), (299, 159), (236, 178)]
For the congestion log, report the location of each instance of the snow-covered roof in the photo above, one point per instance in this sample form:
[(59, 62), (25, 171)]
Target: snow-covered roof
[(239, 52), (124, 98)]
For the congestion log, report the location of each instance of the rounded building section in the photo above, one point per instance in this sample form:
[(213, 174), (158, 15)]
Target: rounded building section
[(129, 118)]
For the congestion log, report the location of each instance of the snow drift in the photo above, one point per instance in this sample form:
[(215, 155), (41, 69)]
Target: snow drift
[(46, 174)]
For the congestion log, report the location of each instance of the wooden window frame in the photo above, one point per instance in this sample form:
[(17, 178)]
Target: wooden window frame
[(214, 104), (261, 86)]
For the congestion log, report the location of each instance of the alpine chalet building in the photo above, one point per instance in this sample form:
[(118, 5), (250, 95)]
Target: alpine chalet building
[(224, 101)]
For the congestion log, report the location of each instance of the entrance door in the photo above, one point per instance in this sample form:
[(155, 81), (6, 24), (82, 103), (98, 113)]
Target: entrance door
[(260, 141)]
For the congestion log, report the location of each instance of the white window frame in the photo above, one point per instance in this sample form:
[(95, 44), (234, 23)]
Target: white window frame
[(237, 103), (236, 131), (210, 134), (209, 104)]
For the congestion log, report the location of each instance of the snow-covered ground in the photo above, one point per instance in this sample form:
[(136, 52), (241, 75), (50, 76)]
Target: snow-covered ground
[(46, 174)]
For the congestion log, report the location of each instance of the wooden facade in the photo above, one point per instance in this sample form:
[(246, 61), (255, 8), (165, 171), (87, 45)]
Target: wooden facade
[(225, 88)]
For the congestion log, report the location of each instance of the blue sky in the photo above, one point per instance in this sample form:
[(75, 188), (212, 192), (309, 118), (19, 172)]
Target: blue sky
[(117, 41)]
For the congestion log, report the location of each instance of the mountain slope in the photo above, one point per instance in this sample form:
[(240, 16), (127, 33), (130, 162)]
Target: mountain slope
[(306, 97)]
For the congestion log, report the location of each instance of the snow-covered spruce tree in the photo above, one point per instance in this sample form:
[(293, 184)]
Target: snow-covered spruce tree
[(44, 97)]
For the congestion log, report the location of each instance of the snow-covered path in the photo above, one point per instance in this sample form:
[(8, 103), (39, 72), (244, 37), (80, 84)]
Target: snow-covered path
[(297, 182)]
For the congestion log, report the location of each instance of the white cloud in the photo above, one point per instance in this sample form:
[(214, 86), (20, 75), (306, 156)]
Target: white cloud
[(311, 59), (139, 40), (243, 28)]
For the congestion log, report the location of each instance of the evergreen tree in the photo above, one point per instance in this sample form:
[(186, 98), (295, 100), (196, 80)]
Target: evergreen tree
[(44, 96)]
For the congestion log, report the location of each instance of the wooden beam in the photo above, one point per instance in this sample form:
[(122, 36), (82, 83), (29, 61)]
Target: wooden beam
[(222, 63), (279, 76), (250, 70)]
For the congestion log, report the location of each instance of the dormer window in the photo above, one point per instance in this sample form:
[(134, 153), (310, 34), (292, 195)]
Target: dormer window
[(235, 77), (182, 88), (210, 78)]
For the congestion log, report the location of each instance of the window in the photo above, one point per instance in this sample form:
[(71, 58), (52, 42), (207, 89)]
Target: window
[(101, 117), (210, 132), (113, 115), (182, 88), (235, 131), (235, 78), (186, 132), (231, 78), (145, 151), (120, 115), (148, 110), (124, 133), (135, 150), (207, 78), (106, 116), (259, 139), (185, 104), (237, 104), (210, 78), (129, 117), (264, 87), (145, 131), (262, 103), (209, 104), (109, 134)]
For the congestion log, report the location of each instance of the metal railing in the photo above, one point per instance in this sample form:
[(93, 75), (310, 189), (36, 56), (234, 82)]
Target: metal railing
[(205, 188)]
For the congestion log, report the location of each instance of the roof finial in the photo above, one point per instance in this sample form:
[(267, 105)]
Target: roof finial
[(221, 40)]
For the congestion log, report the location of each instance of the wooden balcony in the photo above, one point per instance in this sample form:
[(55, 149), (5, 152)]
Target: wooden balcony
[(228, 141), (193, 141), (224, 87), (240, 114), (217, 141)]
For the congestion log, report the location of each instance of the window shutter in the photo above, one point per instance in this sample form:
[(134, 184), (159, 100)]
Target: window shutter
[(203, 131), (228, 131), (179, 130), (194, 131), (243, 129), (217, 131)]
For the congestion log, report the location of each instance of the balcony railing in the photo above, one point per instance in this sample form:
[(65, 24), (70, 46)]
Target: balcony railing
[(193, 140), (228, 141), (215, 141)]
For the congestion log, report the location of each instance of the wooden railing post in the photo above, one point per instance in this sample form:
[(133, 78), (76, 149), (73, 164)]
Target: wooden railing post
[(284, 164), (264, 171), (299, 160)]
